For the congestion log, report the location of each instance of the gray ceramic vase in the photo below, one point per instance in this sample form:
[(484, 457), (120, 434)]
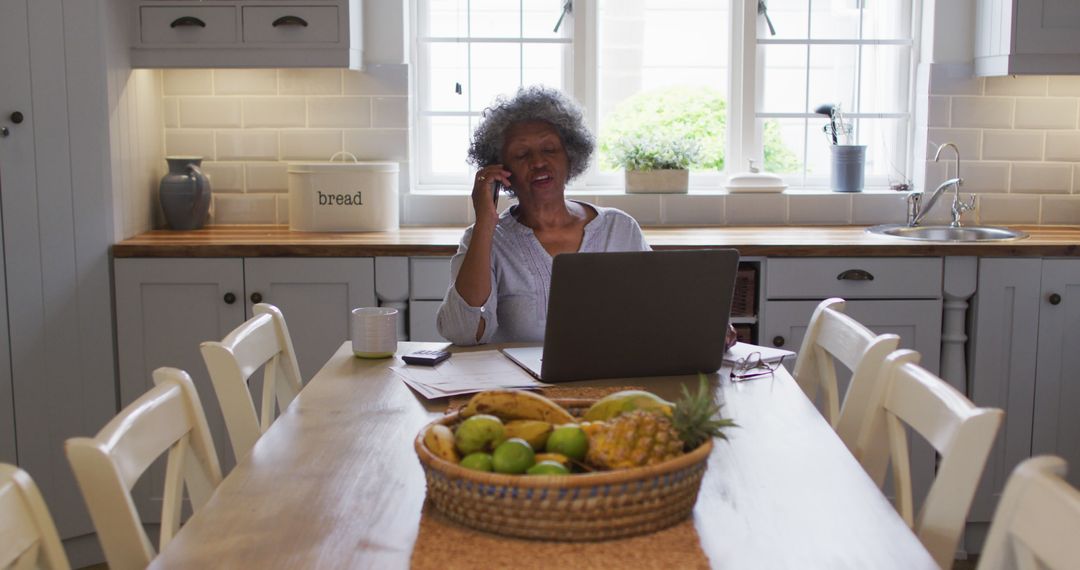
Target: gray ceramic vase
[(185, 193)]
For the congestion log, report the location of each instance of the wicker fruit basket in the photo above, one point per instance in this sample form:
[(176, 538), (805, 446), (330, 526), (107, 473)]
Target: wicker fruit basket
[(582, 507)]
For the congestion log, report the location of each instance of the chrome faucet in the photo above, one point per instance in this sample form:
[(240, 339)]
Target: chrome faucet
[(917, 209)]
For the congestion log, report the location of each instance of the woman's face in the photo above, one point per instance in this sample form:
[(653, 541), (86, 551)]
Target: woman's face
[(534, 154)]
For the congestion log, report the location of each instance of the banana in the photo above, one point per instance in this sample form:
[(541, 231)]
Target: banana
[(556, 457), (535, 432), (627, 401), (517, 405), (440, 441)]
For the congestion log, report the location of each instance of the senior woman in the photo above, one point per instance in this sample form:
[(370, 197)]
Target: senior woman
[(532, 144)]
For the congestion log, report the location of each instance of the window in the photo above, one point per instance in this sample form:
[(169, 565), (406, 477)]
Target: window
[(741, 99)]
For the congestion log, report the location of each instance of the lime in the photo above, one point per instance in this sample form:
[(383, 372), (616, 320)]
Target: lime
[(514, 455), (569, 440), (548, 467), (478, 461), (477, 433)]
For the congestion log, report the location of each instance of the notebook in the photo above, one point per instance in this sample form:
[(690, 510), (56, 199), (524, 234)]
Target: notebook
[(633, 314)]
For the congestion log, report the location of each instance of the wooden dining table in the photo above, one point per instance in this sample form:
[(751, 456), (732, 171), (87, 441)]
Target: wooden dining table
[(335, 483)]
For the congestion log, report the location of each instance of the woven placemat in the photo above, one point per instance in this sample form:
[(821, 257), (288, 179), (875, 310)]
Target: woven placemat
[(444, 545)]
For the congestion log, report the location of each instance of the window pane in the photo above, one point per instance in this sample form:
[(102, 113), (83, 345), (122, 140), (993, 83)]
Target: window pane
[(445, 18), (785, 79), (832, 76), (447, 68), (495, 71), (540, 16), (784, 145), (543, 64), (886, 142), (887, 20), (494, 19), (835, 19), (446, 144), (789, 18), (885, 79)]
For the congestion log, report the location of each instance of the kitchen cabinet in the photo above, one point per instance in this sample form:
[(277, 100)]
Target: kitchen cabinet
[(429, 278), (166, 307), (247, 33), (1039, 37), (1026, 362), (888, 295)]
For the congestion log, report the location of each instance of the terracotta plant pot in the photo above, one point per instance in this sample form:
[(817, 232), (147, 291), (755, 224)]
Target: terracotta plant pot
[(657, 181)]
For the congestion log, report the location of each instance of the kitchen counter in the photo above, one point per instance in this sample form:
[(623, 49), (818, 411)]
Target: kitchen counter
[(773, 241)]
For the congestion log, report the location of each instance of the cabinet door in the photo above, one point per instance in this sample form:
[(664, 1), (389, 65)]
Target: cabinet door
[(1047, 27), (316, 296), (164, 309), (1056, 424), (1003, 366), (917, 322)]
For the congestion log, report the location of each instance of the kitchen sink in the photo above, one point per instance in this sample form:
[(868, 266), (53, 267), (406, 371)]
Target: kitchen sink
[(948, 233)]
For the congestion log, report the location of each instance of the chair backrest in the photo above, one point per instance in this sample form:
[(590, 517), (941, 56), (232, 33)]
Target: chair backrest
[(834, 336), (960, 432), (262, 341), (1037, 522), (28, 537), (169, 418)]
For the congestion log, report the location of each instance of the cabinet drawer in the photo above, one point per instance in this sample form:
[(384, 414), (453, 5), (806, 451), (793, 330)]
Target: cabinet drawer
[(429, 277), (854, 278), (187, 24), (291, 24)]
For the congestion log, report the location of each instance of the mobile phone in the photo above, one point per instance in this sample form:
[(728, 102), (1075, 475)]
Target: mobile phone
[(426, 357), (498, 188)]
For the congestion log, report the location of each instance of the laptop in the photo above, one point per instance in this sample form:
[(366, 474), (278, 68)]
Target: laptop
[(633, 314)]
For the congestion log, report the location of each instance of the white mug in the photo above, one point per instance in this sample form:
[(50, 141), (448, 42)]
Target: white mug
[(374, 332)]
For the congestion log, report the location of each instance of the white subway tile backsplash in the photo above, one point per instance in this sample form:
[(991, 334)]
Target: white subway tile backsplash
[(1041, 178), (170, 111), (340, 112), (245, 81), (874, 208), (1064, 85), (1061, 210), (644, 208), (270, 112), (309, 144), (1045, 113), (392, 112), (1034, 85), (429, 210), (1012, 145), (188, 82), (209, 112), (1076, 179), (378, 80), (819, 209), (986, 112), (267, 176), (283, 209), (309, 81), (1007, 209), (969, 141), (186, 142), (985, 177), (245, 209), (1063, 146), (756, 209), (693, 210), (938, 111), (247, 145), (379, 144), (225, 176)]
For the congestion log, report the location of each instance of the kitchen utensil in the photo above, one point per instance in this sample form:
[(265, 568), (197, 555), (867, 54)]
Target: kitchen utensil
[(848, 164), (830, 111)]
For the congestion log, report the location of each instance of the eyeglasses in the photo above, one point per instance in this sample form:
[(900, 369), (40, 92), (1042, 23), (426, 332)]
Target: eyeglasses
[(752, 366)]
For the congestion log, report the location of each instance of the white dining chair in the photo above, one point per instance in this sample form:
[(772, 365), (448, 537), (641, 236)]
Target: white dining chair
[(960, 432), (168, 418), (832, 337), (28, 537), (261, 341), (1037, 521)]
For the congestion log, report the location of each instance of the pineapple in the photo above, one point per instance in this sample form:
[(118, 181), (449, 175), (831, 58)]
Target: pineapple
[(641, 438)]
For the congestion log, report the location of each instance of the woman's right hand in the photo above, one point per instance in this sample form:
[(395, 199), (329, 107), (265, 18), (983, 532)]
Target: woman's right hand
[(483, 194)]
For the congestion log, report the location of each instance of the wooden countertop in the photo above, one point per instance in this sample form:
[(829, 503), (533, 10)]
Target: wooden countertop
[(776, 241)]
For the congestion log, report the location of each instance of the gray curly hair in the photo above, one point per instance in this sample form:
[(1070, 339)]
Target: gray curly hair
[(534, 103)]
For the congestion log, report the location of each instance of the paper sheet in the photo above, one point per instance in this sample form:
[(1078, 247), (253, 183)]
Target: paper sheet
[(465, 373), (742, 350)]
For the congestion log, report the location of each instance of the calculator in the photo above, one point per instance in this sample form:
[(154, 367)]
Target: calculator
[(426, 357)]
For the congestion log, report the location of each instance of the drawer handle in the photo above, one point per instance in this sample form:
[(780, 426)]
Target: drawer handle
[(230, 298), (187, 22), (855, 275), (290, 21), (1054, 299), (256, 297)]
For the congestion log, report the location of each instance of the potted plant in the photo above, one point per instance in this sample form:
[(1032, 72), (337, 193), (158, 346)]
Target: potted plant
[(655, 162)]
